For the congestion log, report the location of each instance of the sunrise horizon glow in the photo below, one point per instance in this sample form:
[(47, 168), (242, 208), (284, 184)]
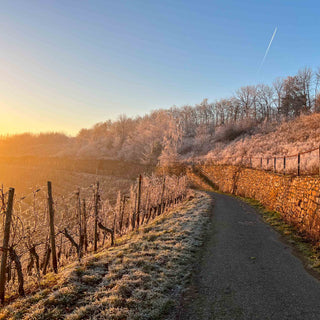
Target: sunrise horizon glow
[(66, 65)]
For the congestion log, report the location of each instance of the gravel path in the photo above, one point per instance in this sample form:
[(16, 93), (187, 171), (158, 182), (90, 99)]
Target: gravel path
[(246, 272)]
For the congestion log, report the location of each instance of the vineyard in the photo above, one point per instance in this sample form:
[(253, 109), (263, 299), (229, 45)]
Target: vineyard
[(43, 231)]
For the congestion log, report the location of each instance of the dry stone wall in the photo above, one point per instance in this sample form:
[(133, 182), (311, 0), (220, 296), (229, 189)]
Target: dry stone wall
[(297, 199)]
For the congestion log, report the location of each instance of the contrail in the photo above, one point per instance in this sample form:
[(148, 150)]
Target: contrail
[(265, 55)]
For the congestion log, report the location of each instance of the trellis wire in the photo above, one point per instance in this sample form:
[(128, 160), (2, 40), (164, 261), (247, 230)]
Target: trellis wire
[(30, 223)]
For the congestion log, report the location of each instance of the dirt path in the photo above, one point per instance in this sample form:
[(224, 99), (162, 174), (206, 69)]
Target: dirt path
[(246, 272)]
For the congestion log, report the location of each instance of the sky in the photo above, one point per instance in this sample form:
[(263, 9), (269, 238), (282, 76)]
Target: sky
[(66, 65)]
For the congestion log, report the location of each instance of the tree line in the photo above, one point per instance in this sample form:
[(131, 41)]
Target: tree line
[(184, 131)]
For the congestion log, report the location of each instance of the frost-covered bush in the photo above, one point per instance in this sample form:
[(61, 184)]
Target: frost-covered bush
[(232, 131)]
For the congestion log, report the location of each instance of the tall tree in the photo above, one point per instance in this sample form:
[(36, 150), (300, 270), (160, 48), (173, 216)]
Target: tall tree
[(294, 100), (304, 79), (265, 101), (278, 85), (247, 97)]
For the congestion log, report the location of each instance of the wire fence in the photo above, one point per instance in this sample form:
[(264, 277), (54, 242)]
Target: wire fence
[(302, 163)]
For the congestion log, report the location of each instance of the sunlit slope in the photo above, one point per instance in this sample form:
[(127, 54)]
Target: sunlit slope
[(272, 140)]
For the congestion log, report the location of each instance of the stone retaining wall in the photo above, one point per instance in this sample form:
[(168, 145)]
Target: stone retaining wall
[(297, 199)]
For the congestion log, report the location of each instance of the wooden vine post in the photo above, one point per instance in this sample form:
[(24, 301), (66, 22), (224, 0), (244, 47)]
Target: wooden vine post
[(117, 213), (134, 216), (146, 207), (52, 233), (5, 245), (80, 249), (122, 213), (284, 165), (162, 193), (275, 164), (139, 200), (96, 212), (298, 164), (85, 236)]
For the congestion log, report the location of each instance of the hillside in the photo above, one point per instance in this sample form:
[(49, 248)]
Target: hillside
[(270, 140)]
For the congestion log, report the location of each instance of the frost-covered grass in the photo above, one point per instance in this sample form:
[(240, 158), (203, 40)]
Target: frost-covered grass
[(272, 140), (305, 248), (140, 278)]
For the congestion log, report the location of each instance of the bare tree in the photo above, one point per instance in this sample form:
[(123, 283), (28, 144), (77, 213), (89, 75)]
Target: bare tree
[(278, 87), (294, 99), (247, 97), (265, 101), (304, 79)]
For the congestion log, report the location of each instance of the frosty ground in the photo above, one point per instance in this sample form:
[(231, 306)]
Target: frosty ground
[(142, 277)]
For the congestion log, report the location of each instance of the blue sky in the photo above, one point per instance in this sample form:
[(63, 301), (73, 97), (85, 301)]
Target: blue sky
[(65, 64)]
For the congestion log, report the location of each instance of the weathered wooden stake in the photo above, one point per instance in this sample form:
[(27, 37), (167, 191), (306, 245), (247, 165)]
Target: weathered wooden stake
[(85, 236), (122, 213), (96, 212), (80, 225), (117, 213), (298, 164), (5, 245), (275, 164), (133, 218), (145, 212), (284, 165), (114, 227), (139, 200), (162, 193), (260, 163), (52, 233)]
